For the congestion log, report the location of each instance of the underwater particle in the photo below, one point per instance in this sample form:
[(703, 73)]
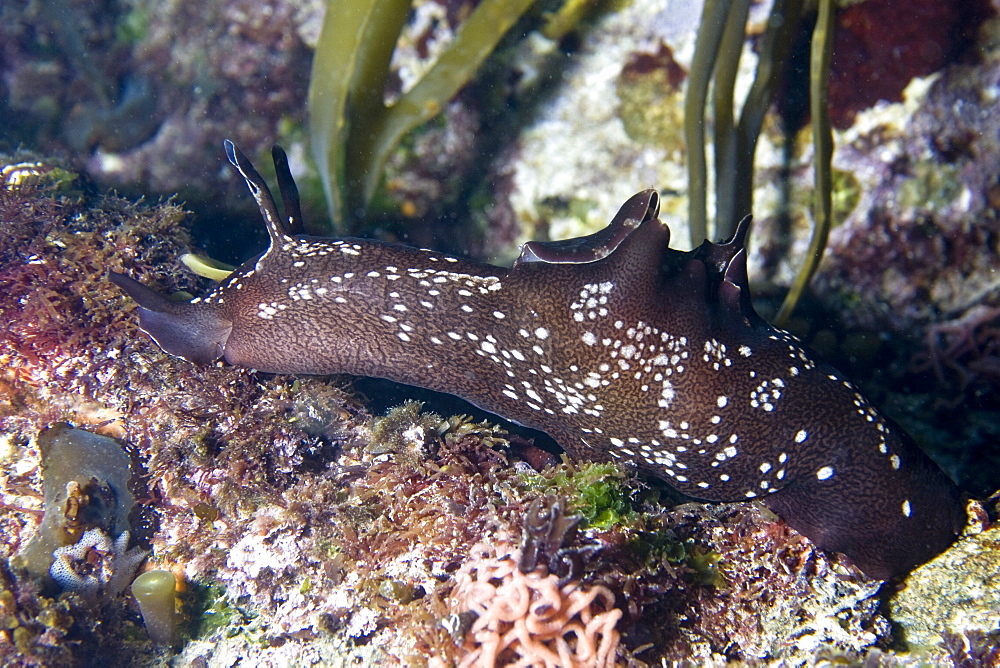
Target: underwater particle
[(155, 591), (85, 485), (95, 565)]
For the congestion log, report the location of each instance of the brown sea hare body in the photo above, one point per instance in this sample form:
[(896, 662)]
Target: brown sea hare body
[(614, 344)]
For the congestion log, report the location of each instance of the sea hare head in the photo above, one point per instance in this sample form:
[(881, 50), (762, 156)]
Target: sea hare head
[(197, 334)]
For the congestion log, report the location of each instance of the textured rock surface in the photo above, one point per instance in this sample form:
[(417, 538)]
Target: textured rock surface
[(957, 593)]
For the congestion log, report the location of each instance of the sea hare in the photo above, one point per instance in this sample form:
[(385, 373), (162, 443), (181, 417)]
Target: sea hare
[(614, 344)]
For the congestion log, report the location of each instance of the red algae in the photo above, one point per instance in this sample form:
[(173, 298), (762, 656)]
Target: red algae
[(879, 46)]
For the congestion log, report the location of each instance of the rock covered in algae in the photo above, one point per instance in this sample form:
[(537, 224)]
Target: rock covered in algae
[(914, 260), (955, 595), (85, 479), (926, 171)]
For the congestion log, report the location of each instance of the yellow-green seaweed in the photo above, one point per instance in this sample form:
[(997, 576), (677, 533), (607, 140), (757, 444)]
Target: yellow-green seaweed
[(207, 267), (707, 43), (353, 130), (596, 491), (718, 46), (819, 72)]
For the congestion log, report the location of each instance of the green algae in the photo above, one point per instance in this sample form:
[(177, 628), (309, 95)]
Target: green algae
[(133, 28), (653, 546), (934, 186), (596, 491), (52, 178), (209, 609), (846, 193), (398, 591), (207, 267), (705, 564)]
